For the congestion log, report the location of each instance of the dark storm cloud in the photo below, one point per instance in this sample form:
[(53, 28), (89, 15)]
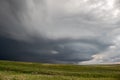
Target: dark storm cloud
[(59, 31), (60, 51)]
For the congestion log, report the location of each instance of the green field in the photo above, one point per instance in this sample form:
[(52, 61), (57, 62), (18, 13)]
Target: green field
[(38, 71)]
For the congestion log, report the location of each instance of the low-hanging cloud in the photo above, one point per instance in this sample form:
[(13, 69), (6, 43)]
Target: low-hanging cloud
[(60, 31)]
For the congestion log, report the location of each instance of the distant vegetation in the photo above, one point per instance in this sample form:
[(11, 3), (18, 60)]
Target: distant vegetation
[(38, 71)]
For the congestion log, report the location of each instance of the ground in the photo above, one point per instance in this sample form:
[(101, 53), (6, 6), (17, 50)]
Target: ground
[(10, 70)]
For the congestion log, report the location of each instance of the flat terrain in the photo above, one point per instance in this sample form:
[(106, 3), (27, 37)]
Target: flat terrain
[(38, 71)]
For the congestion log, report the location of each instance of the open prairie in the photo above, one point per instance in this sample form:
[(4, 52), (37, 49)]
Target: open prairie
[(39, 71)]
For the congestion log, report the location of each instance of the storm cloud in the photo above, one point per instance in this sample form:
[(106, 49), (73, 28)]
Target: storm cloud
[(60, 31)]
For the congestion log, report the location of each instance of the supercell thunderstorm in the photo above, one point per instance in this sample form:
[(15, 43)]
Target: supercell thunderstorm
[(61, 31)]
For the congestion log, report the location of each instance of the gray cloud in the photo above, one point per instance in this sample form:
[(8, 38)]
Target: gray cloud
[(65, 31)]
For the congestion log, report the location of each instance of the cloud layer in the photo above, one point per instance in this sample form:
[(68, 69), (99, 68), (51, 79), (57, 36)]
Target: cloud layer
[(60, 31)]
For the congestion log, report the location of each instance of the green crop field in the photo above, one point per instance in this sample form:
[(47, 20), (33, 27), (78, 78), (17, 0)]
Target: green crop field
[(38, 71)]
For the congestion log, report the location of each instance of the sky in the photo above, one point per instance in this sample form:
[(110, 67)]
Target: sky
[(60, 31)]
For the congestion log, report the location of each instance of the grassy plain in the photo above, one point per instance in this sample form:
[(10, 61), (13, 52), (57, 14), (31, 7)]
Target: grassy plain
[(38, 71)]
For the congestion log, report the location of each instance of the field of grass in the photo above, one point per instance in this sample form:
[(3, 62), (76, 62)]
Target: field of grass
[(38, 71)]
